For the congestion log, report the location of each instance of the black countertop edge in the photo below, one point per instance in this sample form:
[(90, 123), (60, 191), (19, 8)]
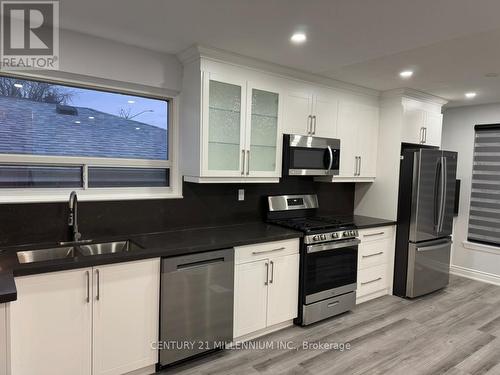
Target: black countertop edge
[(163, 244), (366, 222), (8, 291)]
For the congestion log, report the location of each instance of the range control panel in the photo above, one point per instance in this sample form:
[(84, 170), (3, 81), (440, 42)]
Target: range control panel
[(331, 236)]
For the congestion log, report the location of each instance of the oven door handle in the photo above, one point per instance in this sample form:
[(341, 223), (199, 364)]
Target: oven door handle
[(332, 245)]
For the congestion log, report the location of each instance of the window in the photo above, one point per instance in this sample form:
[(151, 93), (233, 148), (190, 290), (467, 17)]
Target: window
[(58, 136), (484, 217)]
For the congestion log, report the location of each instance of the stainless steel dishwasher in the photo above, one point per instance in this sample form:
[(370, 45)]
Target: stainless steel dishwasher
[(196, 312)]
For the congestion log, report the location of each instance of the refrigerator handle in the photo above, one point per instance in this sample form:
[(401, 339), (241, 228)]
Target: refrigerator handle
[(444, 183), (437, 212)]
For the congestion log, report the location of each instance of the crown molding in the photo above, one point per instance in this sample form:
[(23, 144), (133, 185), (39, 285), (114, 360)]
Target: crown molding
[(197, 52), (409, 93)]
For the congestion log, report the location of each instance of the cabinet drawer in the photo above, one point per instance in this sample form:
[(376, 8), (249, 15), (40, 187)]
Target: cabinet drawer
[(372, 280), (265, 250), (373, 234), (373, 253)]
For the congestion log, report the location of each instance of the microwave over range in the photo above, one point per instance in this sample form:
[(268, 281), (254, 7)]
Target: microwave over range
[(310, 156)]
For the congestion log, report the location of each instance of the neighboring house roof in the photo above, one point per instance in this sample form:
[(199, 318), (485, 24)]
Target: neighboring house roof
[(30, 127)]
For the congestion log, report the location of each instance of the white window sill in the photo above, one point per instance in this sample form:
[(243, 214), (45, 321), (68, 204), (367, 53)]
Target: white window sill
[(481, 247), (62, 195)]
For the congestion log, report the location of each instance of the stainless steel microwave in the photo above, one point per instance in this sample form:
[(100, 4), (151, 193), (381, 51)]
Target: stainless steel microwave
[(310, 156)]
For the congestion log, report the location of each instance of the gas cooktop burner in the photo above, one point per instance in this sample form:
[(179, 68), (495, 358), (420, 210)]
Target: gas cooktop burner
[(312, 224)]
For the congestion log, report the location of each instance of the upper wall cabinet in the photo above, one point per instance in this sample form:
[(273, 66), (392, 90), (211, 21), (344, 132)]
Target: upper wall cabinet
[(358, 133), (421, 126), (237, 136), (310, 112)]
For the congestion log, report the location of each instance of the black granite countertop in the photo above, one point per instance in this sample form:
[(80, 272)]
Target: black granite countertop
[(365, 222), (164, 244)]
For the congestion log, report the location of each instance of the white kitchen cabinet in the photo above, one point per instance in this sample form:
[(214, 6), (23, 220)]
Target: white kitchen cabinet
[(99, 320), (50, 324), (266, 285), (421, 126), (250, 298), (236, 135), (358, 133), (311, 112), (282, 298), (375, 262), (125, 316)]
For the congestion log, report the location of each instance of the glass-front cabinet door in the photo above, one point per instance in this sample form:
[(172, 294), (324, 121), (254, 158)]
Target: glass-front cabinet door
[(263, 143), (224, 131)]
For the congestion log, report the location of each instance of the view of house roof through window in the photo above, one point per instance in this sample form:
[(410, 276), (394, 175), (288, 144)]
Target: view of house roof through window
[(40, 118)]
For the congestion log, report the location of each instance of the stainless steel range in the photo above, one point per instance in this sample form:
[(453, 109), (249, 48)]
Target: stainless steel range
[(328, 257)]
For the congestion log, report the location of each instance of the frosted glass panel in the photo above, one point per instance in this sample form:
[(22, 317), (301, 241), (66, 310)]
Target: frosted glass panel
[(264, 130), (220, 157), (224, 126)]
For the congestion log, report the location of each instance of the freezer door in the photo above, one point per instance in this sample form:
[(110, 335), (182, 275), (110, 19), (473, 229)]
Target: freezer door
[(445, 212), (428, 267), (426, 195)]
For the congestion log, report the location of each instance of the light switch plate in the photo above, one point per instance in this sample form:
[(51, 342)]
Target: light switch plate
[(241, 194)]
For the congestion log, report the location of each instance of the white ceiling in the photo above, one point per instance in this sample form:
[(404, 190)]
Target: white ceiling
[(451, 44)]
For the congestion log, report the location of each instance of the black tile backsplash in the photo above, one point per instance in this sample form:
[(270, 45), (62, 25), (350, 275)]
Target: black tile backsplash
[(202, 205)]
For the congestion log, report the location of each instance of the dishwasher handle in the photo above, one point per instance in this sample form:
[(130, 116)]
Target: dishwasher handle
[(197, 261), (200, 263)]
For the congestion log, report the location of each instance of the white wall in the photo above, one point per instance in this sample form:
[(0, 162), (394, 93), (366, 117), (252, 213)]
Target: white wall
[(458, 135), (93, 60)]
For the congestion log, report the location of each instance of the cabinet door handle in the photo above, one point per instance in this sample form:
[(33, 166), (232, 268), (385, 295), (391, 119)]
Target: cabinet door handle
[(359, 167), (425, 135), (309, 125), (372, 281), (267, 274), (314, 128), (267, 251), (272, 273), (87, 274), (242, 162), (248, 162), (373, 234), (97, 295), (373, 255), (422, 134)]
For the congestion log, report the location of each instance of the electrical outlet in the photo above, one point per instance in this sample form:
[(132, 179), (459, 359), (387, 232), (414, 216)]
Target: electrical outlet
[(241, 194)]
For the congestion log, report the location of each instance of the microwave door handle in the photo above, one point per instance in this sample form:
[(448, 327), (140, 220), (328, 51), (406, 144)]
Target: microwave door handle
[(330, 163)]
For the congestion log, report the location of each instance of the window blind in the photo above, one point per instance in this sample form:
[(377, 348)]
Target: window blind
[(484, 216)]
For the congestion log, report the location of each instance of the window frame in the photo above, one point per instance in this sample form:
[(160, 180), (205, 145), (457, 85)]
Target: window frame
[(33, 195)]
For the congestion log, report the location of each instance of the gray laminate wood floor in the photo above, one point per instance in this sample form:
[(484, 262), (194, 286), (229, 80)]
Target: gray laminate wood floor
[(454, 332)]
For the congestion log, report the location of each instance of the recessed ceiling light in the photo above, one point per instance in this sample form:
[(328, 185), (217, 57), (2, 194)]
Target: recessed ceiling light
[(91, 117), (137, 128), (470, 95), (78, 122), (18, 85), (406, 73), (131, 101), (491, 75), (298, 38)]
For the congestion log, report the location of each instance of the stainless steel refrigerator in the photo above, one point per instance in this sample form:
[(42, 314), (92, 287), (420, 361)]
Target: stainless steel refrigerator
[(425, 221)]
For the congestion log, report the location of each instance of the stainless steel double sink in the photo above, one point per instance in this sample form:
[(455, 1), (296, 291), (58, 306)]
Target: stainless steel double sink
[(63, 252)]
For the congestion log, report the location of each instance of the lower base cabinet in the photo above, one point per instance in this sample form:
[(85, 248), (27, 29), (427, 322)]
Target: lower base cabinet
[(266, 285), (375, 262), (98, 321)]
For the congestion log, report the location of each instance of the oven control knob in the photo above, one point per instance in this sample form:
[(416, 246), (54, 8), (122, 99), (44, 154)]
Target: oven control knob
[(315, 238), (323, 236), (346, 233), (335, 235)]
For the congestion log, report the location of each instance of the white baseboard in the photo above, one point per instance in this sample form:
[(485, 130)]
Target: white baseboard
[(263, 332), (469, 273), (143, 371), (368, 297)]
